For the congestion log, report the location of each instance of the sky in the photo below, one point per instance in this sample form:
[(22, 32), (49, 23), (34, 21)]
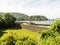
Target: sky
[(48, 8)]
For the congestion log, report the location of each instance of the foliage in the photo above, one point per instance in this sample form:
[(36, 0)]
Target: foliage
[(26, 37), (19, 37), (52, 36), (55, 27), (2, 23), (7, 21)]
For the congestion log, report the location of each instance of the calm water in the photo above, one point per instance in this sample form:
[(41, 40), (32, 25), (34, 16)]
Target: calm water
[(42, 22), (38, 22)]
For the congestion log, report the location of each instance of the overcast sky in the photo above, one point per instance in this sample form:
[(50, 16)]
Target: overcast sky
[(48, 8)]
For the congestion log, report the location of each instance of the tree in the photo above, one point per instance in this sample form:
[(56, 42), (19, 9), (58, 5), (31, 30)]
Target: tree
[(2, 23), (9, 19)]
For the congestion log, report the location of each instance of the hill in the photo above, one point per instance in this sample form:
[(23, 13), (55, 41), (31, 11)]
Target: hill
[(38, 18), (19, 16), (22, 17)]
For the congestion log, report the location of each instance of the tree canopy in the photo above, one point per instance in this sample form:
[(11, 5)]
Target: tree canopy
[(7, 21)]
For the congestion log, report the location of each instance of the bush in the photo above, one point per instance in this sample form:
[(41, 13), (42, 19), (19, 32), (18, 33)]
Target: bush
[(55, 27), (51, 36), (19, 37)]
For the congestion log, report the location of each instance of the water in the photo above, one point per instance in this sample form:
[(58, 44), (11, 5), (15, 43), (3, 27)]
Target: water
[(39, 22), (43, 22)]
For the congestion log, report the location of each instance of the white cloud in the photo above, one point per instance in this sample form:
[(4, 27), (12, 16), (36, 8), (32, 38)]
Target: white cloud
[(49, 8)]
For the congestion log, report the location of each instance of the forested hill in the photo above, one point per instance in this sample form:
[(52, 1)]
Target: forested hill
[(38, 18), (21, 17)]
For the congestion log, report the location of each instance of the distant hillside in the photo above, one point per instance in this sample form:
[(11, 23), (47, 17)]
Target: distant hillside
[(21, 17), (38, 18)]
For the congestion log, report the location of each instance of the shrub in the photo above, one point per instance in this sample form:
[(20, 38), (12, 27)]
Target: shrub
[(19, 37), (51, 36), (55, 27)]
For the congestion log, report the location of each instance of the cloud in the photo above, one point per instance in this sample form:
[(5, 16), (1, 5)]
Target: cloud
[(48, 8)]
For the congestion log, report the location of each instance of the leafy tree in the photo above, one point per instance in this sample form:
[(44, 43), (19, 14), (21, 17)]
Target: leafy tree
[(9, 19), (2, 23), (1, 20)]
